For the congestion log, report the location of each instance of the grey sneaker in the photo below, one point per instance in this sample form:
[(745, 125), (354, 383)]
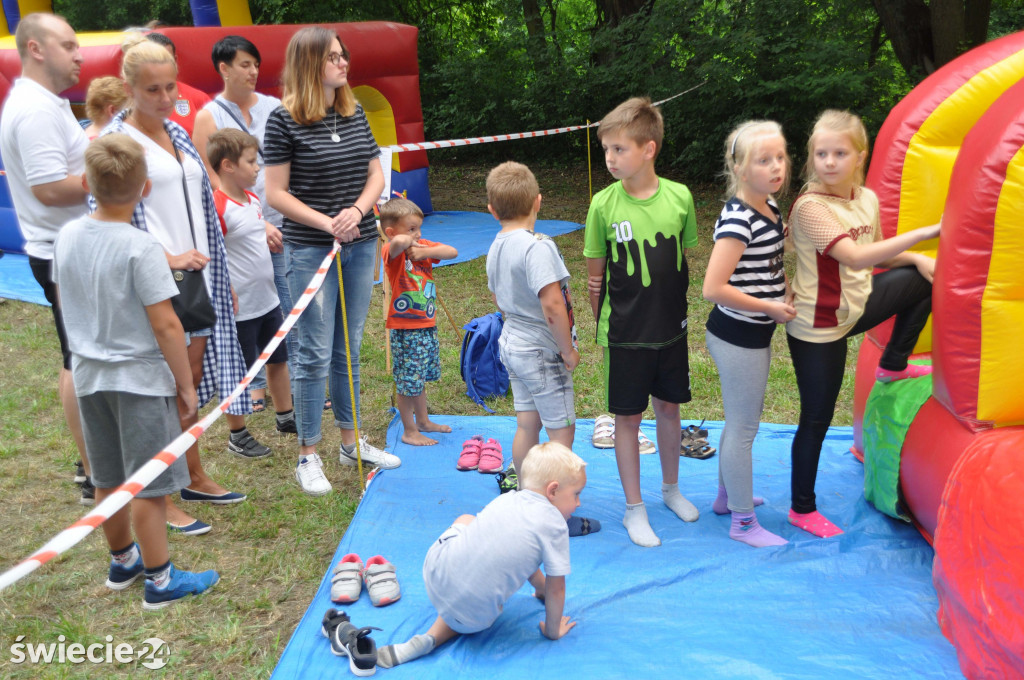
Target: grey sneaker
[(246, 446), (371, 456)]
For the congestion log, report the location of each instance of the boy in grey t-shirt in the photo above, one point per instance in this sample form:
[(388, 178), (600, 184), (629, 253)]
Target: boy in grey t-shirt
[(538, 344), (129, 361), (480, 561)]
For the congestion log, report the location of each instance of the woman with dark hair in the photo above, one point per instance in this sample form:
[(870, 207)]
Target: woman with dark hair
[(240, 106), (324, 176)]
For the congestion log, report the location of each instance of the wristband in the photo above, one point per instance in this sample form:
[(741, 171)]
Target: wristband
[(361, 213)]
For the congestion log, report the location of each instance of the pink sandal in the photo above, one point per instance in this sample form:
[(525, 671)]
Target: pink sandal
[(469, 459), (491, 459)]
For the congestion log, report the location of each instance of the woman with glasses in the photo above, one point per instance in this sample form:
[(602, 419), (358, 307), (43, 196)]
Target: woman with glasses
[(324, 176)]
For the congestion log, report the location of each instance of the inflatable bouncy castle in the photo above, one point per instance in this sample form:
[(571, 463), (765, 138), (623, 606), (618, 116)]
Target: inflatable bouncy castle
[(384, 75), (954, 148)]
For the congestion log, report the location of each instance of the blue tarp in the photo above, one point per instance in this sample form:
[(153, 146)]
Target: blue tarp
[(17, 282), (860, 605), (470, 233)]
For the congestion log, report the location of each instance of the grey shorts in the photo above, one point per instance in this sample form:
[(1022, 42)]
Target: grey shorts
[(123, 432), (437, 568), (540, 382)]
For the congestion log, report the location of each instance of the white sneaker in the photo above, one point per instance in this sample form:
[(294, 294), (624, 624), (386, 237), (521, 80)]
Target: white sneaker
[(310, 473), (371, 456)]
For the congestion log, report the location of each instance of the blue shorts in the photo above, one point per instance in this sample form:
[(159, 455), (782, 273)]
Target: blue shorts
[(415, 359)]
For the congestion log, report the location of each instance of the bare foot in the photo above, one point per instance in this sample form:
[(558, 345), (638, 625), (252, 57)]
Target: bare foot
[(417, 439), (430, 426)]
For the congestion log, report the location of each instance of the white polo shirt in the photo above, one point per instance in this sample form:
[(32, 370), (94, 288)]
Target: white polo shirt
[(41, 142)]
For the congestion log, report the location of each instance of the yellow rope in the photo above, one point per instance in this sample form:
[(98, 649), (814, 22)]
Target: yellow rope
[(348, 363), (590, 167)]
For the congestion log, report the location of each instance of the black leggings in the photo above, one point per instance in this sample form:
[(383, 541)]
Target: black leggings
[(819, 367)]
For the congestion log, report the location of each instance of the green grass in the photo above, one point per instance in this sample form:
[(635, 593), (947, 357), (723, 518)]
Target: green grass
[(273, 549)]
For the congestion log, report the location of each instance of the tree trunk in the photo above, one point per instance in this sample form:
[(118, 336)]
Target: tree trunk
[(611, 12), (924, 37)]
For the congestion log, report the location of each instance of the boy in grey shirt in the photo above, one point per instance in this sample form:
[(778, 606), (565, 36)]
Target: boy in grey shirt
[(481, 560), (128, 360), (538, 344)]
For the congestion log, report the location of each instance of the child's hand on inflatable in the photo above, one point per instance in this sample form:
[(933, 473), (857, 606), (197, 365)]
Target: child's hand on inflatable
[(926, 267)]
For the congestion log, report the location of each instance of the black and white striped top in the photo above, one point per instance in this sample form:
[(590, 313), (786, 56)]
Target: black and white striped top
[(759, 273), (325, 175)]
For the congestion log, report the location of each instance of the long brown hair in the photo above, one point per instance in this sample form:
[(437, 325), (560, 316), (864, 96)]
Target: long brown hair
[(303, 76)]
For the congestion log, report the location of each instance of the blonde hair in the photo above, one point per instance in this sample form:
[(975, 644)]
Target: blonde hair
[(303, 76), (740, 147), (396, 210), (35, 26), (227, 144), (638, 119), (843, 123), (549, 462), (138, 52), (104, 92), (115, 168), (512, 190)]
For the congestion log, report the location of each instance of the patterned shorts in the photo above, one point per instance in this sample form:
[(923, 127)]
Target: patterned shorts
[(415, 358)]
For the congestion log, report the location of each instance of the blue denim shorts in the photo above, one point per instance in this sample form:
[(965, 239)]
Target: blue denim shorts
[(415, 359), (540, 382)]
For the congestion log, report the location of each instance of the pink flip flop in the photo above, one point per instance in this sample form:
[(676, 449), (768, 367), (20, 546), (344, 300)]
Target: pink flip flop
[(469, 459), (491, 459)]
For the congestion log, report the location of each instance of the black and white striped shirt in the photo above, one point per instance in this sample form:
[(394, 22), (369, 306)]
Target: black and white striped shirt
[(325, 175), (759, 273)]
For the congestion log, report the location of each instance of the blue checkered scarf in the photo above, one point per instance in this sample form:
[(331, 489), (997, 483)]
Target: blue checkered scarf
[(223, 364)]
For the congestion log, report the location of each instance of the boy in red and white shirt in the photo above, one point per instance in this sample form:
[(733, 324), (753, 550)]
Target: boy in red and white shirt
[(232, 155), (408, 264)]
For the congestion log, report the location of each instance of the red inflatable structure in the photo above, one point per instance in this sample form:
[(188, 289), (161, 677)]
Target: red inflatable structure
[(955, 148), (384, 74)]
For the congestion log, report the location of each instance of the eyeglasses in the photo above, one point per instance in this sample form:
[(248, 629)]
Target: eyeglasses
[(336, 57)]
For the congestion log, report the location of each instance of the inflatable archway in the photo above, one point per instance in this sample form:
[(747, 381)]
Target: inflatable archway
[(955, 147), (384, 75)]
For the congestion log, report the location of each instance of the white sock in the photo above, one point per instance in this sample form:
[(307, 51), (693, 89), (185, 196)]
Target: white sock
[(677, 502), (638, 526), (392, 655)]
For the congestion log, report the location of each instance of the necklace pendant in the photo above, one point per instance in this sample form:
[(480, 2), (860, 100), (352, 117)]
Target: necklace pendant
[(335, 138)]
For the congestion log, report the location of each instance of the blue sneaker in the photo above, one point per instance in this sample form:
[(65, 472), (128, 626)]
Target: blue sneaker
[(181, 584), (121, 577)]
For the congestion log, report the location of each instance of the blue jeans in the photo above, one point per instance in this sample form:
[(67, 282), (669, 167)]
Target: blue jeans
[(321, 333)]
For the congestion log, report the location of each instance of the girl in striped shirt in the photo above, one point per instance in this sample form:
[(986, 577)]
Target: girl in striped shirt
[(746, 281)]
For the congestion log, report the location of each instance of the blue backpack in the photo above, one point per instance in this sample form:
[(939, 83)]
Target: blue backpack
[(480, 364)]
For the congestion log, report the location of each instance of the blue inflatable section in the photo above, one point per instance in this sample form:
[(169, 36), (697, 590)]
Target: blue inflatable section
[(860, 605)]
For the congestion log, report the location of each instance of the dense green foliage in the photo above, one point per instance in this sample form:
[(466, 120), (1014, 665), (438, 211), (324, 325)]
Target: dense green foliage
[(494, 66)]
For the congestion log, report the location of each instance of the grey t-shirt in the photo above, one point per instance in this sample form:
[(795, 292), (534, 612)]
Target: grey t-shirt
[(519, 264), (107, 274), (493, 556)]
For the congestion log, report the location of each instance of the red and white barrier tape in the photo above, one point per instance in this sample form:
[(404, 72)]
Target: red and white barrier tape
[(161, 461), (449, 143)]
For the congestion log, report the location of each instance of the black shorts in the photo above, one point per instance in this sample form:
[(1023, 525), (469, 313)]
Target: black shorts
[(255, 334), (42, 270), (633, 375)]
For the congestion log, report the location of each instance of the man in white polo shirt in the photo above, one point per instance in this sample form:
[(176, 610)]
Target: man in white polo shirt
[(43, 150)]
